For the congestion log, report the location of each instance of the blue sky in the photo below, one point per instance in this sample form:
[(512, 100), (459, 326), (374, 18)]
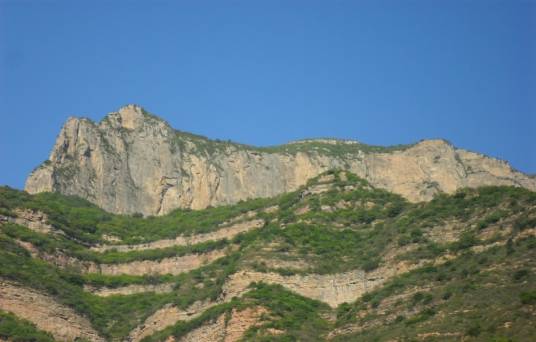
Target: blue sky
[(266, 72)]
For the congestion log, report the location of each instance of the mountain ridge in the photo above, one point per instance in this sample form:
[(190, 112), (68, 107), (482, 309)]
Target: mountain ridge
[(134, 162)]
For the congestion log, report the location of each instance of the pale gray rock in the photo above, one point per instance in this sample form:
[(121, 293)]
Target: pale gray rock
[(134, 162)]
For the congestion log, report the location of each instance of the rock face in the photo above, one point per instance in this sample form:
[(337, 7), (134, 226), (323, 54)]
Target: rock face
[(134, 162), (131, 289), (34, 220), (227, 232), (61, 321), (172, 265), (227, 331), (167, 316), (333, 289)]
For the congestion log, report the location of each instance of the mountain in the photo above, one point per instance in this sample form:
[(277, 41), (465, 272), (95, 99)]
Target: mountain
[(134, 162), (315, 240), (336, 260)]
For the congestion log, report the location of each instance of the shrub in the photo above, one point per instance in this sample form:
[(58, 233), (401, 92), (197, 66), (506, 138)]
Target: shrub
[(421, 317), (474, 330), (467, 240), (370, 265), (528, 297), (399, 318), (520, 274)]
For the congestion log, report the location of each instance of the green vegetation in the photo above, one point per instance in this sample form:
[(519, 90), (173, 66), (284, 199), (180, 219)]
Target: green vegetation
[(52, 244), (335, 223), (336, 147), (87, 223), (19, 330), (297, 316), (208, 147), (467, 296), (112, 316), (330, 250)]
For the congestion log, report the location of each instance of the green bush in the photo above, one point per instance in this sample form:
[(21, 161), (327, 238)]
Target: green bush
[(421, 317), (15, 329), (520, 274), (528, 297), (474, 330)]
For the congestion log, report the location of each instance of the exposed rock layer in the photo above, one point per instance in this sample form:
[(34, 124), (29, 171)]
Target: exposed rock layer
[(227, 232), (166, 316), (226, 331), (333, 289), (34, 220), (134, 162), (62, 322), (173, 265), (131, 289)]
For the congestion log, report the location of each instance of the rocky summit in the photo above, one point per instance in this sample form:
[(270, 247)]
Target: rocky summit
[(134, 162)]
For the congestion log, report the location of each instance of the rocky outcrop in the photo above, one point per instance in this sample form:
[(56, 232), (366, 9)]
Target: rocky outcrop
[(171, 314), (60, 259), (48, 315), (227, 232), (130, 289), (134, 162), (222, 330), (332, 289), (34, 220), (383, 311), (219, 330), (167, 316), (173, 265)]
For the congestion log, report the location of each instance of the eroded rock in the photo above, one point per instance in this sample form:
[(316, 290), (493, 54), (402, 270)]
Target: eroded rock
[(130, 289), (227, 331), (167, 316), (34, 220), (134, 162), (174, 265), (222, 233), (48, 315)]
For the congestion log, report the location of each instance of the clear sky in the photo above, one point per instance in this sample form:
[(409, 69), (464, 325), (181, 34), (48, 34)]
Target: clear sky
[(266, 72)]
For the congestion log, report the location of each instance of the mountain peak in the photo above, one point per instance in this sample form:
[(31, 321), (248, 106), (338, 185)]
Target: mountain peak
[(130, 116)]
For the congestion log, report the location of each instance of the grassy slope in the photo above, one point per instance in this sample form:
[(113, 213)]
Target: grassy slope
[(482, 296), (19, 330), (356, 236)]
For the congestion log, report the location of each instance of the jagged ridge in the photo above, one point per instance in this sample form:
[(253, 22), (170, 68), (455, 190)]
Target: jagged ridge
[(134, 162)]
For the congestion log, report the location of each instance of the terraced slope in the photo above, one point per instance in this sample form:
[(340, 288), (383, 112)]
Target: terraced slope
[(338, 259)]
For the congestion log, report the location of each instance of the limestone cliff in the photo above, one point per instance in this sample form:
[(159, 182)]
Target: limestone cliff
[(132, 162)]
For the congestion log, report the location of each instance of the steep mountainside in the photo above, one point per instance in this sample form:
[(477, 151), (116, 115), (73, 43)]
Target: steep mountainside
[(336, 260), (134, 162)]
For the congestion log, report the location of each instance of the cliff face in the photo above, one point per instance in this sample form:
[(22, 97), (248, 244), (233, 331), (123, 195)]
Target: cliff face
[(134, 162)]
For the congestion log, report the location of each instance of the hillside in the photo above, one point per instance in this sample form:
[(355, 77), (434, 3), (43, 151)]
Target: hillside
[(134, 162), (338, 259)]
